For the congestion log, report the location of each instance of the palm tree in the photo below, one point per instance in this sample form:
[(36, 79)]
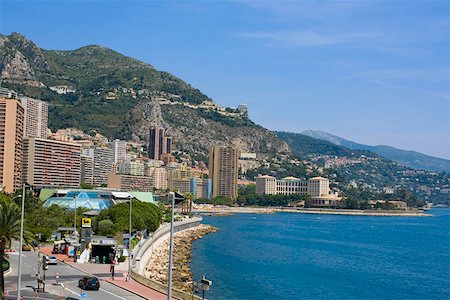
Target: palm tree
[(9, 230), (187, 203)]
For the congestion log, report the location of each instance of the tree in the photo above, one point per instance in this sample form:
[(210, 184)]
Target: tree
[(187, 203), (144, 216), (9, 230), (105, 227)]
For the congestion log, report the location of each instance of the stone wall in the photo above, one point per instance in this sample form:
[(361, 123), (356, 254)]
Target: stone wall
[(144, 250)]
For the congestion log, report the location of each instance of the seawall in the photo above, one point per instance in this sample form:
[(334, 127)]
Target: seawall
[(145, 248)]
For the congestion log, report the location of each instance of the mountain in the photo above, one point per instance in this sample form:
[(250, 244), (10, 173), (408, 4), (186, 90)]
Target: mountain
[(365, 170), (96, 88), (411, 159)]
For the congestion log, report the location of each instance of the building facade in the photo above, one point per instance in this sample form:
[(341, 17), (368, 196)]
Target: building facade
[(223, 171), (130, 168), (49, 163), (201, 188), (87, 169), (103, 164), (317, 188), (119, 149), (11, 142), (158, 143), (130, 182), (35, 118), (266, 185)]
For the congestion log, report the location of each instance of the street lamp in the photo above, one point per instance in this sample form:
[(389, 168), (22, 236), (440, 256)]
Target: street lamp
[(169, 285), (175, 197), (19, 273), (129, 239), (75, 214)]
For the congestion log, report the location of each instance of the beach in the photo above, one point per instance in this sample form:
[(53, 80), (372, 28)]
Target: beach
[(157, 267)]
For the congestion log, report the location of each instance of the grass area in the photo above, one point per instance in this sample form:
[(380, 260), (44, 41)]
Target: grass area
[(5, 266)]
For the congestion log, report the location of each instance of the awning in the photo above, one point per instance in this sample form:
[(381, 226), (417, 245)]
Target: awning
[(59, 242), (121, 195)]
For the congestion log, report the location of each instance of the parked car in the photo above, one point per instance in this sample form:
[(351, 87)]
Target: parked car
[(51, 260), (89, 283), (26, 247)]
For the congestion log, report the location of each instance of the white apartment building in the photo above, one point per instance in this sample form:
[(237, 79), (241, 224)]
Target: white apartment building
[(119, 149)]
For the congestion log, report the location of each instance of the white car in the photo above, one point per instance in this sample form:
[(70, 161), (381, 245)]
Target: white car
[(51, 260)]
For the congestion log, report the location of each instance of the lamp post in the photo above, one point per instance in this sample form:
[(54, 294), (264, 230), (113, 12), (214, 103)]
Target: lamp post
[(19, 272), (75, 214), (169, 285), (129, 239)]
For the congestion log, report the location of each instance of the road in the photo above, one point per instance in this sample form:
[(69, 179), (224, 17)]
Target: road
[(68, 281)]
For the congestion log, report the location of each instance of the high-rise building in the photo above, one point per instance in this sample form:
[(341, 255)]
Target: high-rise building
[(103, 164), (36, 117), (119, 149), (223, 170), (158, 143), (50, 163), (11, 142), (87, 169)]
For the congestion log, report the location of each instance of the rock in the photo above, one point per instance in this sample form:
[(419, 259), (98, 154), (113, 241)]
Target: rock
[(158, 263)]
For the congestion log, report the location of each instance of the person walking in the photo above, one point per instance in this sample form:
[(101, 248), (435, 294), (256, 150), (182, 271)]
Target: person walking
[(112, 269)]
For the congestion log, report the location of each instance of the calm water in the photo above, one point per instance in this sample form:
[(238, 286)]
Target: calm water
[(299, 256)]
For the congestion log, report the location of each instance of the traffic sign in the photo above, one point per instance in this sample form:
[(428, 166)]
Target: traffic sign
[(83, 295), (86, 222)]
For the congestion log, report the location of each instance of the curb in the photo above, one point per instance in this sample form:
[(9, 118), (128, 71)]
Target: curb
[(8, 272)]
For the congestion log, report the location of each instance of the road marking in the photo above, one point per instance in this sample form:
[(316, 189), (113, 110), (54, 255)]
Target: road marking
[(112, 294), (75, 293)]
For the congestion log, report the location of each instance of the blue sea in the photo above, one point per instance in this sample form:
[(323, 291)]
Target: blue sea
[(300, 256)]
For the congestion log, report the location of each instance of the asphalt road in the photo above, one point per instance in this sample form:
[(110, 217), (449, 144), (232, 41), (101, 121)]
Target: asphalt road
[(68, 281)]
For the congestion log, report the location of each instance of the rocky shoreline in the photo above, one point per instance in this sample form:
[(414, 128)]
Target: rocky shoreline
[(158, 263)]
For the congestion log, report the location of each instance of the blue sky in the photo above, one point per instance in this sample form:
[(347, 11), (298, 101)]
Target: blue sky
[(376, 72)]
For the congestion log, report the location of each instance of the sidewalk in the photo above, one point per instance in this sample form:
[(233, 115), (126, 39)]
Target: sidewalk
[(102, 271)]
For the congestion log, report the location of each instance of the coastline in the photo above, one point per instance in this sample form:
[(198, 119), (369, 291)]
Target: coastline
[(225, 210), (157, 266)]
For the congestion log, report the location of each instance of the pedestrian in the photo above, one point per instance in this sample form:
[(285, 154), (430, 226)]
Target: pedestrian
[(111, 269)]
